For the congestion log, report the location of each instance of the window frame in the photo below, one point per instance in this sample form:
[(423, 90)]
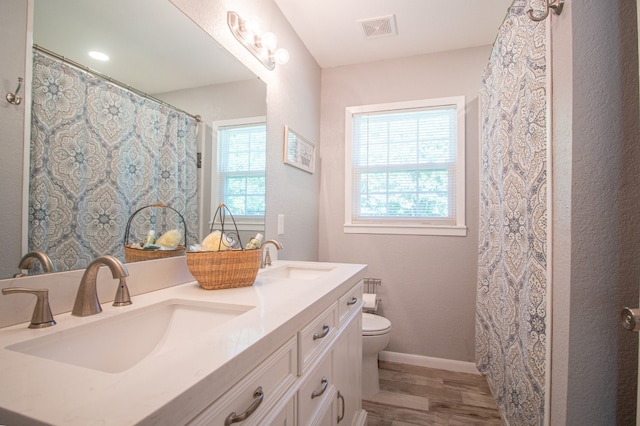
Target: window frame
[(401, 227), (244, 223)]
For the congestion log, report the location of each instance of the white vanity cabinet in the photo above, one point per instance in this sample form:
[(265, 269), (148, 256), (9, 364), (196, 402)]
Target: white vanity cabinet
[(313, 379), (285, 351), (331, 393)]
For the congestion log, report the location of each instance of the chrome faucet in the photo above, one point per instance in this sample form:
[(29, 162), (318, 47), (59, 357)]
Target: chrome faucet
[(266, 258), (87, 302), (29, 259)]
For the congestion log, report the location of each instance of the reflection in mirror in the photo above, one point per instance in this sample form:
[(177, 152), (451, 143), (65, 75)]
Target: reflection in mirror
[(240, 178), (155, 49)]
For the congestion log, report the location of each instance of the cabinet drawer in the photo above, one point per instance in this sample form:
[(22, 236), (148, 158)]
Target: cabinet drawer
[(351, 301), (317, 335), (258, 391), (316, 391)]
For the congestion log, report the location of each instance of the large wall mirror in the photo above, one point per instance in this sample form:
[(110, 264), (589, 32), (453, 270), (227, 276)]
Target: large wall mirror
[(155, 49)]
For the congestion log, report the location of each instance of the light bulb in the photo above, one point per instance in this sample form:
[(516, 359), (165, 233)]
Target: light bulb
[(252, 25), (281, 56), (269, 41)]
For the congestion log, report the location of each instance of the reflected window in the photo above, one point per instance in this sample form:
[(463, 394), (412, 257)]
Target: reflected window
[(241, 168)]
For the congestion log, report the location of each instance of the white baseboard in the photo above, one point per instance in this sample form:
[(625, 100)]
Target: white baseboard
[(429, 362)]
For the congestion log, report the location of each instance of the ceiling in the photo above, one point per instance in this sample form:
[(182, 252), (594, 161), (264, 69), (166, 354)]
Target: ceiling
[(158, 55), (153, 52), (331, 32)]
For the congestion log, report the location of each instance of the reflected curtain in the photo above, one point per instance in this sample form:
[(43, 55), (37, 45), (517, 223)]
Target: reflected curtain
[(511, 319), (98, 153)]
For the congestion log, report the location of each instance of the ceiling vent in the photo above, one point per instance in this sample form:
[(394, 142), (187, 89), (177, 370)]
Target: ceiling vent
[(378, 27)]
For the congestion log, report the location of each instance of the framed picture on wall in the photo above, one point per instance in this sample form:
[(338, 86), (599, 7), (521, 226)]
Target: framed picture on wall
[(298, 151)]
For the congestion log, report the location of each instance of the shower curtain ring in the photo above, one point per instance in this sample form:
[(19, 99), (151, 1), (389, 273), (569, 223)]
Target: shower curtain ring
[(556, 5), (13, 98)]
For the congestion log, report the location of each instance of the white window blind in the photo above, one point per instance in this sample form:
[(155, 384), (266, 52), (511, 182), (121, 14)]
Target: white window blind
[(404, 165), (241, 168)]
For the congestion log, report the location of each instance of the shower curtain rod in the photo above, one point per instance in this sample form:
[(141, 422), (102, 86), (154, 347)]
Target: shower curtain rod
[(41, 49)]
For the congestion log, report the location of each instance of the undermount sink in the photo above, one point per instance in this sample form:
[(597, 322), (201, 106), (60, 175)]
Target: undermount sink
[(297, 272), (117, 343)]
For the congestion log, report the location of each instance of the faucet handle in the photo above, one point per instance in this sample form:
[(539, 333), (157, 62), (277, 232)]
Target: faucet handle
[(42, 316)]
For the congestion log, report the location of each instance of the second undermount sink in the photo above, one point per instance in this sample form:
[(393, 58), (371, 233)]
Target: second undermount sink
[(297, 272), (117, 343)]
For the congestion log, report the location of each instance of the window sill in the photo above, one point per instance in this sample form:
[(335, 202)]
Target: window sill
[(450, 231)]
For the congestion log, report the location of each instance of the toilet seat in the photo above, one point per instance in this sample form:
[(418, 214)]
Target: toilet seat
[(374, 325)]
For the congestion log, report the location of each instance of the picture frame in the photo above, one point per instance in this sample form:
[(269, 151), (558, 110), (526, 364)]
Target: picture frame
[(298, 151)]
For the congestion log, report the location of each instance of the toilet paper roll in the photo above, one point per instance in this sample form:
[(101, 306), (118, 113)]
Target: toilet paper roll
[(370, 301)]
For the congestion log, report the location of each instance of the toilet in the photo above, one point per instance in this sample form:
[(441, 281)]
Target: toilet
[(375, 337)]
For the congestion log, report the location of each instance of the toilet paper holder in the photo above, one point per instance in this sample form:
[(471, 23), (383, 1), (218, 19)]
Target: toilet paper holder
[(370, 297), (371, 284)]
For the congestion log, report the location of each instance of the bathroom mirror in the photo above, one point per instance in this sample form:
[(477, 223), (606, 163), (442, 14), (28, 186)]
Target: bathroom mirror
[(155, 49)]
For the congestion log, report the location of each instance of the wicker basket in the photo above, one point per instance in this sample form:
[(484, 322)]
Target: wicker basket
[(133, 254), (216, 270), (230, 266)]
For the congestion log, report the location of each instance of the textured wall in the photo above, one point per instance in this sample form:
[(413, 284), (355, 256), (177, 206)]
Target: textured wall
[(596, 171), (428, 287)]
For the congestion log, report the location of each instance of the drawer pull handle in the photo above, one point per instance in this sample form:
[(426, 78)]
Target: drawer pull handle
[(353, 301), (325, 383), (232, 418), (341, 416), (325, 331)]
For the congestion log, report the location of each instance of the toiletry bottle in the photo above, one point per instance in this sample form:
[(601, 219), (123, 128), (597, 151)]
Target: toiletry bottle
[(255, 242), (150, 238)]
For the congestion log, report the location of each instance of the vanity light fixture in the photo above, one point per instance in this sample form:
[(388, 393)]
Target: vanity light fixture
[(262, 46)]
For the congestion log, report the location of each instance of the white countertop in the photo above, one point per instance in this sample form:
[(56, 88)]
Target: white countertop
[(171, 387)]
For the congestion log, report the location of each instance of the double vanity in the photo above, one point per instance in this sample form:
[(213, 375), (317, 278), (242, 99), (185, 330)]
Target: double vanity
[(287, 350)]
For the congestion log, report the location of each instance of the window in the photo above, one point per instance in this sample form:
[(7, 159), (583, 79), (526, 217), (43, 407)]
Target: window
[(241, 168), (405, 168)]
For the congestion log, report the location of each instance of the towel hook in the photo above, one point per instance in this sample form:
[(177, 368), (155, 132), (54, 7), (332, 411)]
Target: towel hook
[(13, 98), (556, 5)]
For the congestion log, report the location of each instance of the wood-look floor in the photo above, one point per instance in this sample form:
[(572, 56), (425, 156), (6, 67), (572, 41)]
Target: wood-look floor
[(411, 395)]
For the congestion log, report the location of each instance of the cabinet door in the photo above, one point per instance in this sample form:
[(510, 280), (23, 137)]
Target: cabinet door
[(348, 370), (285, 417), (327, 416)]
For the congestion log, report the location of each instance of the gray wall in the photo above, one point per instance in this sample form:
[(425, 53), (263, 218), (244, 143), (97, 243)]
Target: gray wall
[(596, 237), (13, 22), (428, 282)]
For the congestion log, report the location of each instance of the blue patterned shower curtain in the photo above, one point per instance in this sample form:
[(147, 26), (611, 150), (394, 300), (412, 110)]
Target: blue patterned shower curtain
[(98, 153), (511, 319)]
